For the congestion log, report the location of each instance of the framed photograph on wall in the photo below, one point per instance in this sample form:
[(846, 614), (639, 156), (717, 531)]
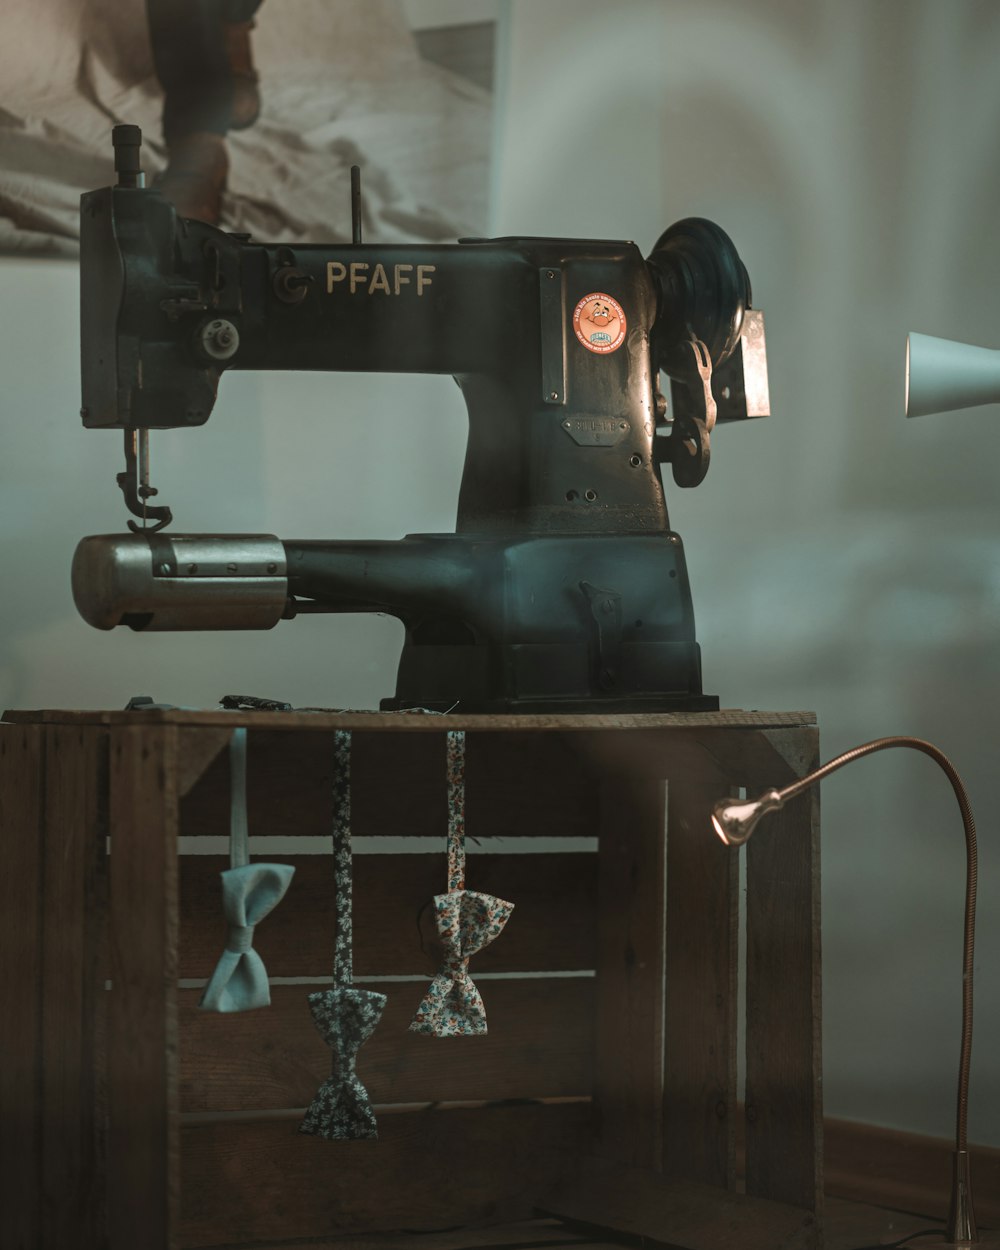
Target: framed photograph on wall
[(252, 112)]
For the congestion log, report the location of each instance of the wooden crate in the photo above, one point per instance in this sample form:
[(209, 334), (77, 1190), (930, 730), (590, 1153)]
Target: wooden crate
[(132, 1120)]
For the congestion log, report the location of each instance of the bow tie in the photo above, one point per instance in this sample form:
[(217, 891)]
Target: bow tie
[(466, 922), (239, 981), (346, 1018)]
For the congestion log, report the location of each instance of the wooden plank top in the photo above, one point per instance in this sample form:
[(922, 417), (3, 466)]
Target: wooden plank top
[(417, 722)]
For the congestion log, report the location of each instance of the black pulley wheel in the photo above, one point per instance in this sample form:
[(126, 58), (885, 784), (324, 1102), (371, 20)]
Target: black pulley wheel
[(704, 292)]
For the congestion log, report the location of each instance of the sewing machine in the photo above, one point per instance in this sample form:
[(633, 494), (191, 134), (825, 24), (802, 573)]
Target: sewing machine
[(563, 587)]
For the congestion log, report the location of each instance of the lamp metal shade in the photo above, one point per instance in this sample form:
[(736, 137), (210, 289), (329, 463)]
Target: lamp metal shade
[(942, 375)]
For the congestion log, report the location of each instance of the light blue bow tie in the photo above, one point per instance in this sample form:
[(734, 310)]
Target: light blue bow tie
[(249, 892), (239, 982)]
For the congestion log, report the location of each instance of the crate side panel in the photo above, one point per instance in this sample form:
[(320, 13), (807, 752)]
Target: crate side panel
[(699, 1101), (628, 1075), (73, 1107), (261, 1180), (22, 772), (143, 1131)]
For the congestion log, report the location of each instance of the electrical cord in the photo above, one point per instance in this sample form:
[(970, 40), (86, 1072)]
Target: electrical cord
[(605, 1238), (891, 1245), (534, 1245)]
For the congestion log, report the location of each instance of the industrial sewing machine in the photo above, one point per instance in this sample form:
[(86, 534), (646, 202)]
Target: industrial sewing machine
[(563, 587)]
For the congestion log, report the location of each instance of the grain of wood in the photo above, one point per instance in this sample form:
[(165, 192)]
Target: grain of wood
[(197, 749), (539, 1045), (552, 928), (628, 1067), (517, 784), (757, 757), (143, 1136), (396, 722), (261, 1180), (21, 907), (699, 1097), (75, 892), (784, 1134)]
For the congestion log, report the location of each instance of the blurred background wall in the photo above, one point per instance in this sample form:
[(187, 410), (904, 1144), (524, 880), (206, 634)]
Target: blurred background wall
[(842, 559)]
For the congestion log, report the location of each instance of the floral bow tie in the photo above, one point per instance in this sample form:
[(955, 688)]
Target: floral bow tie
[(249, 893), (466, 922), (345, 1017)]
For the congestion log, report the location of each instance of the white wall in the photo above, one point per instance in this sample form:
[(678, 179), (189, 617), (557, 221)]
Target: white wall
[(842, 559)]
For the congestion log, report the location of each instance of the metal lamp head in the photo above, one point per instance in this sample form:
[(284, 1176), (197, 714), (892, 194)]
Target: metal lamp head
[(942, 376), (734, 820)]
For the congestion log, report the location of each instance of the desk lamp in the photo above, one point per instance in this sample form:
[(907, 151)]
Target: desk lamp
[(735, 820), (942, 375)]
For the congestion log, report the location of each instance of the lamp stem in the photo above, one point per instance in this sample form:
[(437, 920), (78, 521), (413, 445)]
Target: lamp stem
[(961, 1220)]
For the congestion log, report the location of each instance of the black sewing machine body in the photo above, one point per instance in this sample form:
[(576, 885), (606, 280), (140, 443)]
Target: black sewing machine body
[(563, 587)]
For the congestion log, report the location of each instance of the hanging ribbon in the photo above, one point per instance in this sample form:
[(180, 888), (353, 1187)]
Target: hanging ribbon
[(466, 922), (345, 1017), (249, 893)]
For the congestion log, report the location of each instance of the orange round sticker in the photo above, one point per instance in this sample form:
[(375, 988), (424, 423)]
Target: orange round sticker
[(599, 322)]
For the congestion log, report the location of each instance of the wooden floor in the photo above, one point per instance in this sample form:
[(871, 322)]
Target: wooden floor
[(848, 1226)]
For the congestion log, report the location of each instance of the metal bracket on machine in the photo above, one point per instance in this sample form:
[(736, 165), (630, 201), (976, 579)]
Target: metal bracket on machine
[(735, 390), (689, 449)]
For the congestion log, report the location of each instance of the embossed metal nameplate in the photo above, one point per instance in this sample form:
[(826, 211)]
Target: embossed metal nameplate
[(595, 431)]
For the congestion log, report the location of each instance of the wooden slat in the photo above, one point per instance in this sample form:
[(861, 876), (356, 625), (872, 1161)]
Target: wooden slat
[(552, 927), (539, 1045), (396, 722), (681, 1215), (754, 756), (517, 784), (428, 1170), (668, 753), (197, 749), (798, 748), (75, 894), (143, 1137), (784, 1131), (699, 1097), (628, 1083), (21, 902)]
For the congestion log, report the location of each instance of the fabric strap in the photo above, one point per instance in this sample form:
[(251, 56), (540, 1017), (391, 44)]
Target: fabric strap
[(466, 921), (345, 1017), (455, 768), (239, 833)]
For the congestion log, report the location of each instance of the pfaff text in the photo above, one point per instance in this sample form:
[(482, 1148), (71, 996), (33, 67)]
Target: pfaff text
[(378, 279)]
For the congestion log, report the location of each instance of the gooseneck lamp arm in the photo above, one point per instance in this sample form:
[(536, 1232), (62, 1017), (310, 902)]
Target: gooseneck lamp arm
[(735, 820)]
